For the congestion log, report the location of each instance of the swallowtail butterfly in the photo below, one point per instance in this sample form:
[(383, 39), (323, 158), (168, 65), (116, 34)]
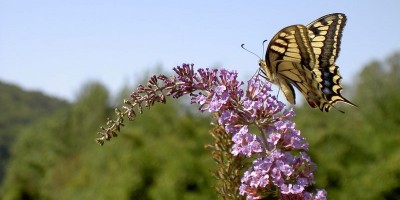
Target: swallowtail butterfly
[(304, 57)]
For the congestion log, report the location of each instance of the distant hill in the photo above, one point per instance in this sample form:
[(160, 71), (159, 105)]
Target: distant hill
[(19, 108)]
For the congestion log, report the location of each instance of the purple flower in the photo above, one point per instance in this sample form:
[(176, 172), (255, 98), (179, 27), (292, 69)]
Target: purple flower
[(274, 138), (227, 117), (320, 195), (275, 148), (215, 104), (220, 89), (248, 105), (201, 99), (245, 143)]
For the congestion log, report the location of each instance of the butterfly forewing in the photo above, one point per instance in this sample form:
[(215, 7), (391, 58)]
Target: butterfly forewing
[(289, 61), (325, 35), (291, 44)]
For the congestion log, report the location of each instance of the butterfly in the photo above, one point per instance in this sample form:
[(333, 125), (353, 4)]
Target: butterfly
[(304, 57)]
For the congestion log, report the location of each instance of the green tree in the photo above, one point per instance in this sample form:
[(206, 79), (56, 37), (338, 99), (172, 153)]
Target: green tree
[(19, 108), (160, 155)]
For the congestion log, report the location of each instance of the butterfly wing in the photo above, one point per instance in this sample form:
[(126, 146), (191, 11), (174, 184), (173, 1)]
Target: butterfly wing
[(325, 35), (289, 62), (304, 57)]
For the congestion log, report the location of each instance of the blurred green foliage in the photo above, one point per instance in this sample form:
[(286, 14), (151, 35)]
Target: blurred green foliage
[(161, 154), (19, 108)]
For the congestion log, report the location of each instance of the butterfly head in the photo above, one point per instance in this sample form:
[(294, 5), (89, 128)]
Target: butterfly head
[(265, 72)]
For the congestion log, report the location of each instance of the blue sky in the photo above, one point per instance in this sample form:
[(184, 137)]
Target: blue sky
[(57, 46)]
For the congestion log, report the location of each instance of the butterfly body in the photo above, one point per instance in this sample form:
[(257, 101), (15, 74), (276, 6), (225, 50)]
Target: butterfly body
[(304, 57)]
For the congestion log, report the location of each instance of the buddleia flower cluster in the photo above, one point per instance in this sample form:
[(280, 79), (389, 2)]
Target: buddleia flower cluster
[(258, 148)]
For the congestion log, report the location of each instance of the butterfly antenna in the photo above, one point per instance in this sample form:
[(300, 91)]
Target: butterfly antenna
[(264, 45), (250, 51)]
